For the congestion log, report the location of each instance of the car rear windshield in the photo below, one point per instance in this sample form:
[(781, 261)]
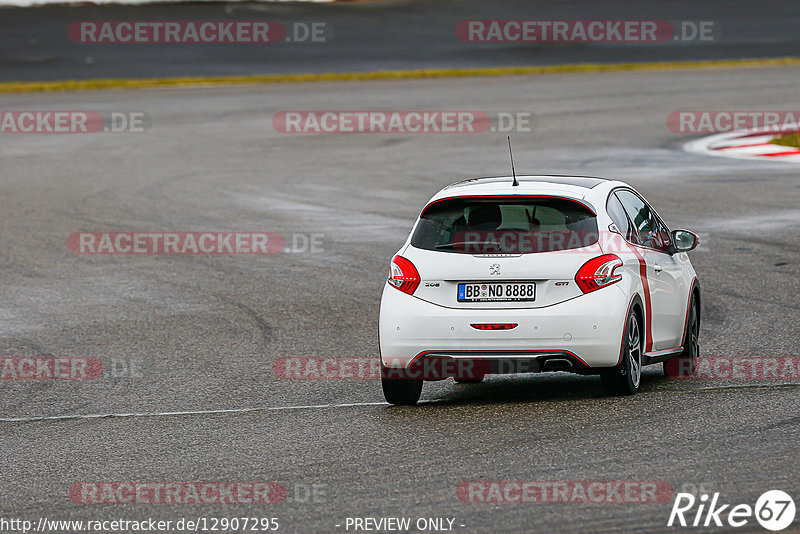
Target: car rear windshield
[(505, 225)]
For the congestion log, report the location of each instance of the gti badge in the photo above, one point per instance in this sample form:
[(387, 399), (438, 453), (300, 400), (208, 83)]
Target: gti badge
[(494, 268)]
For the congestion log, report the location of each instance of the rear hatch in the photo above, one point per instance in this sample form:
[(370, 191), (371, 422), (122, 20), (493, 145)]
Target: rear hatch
[(501, 252)]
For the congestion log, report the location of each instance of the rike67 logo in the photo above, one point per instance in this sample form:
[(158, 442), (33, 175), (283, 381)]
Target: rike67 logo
[(774, 510)]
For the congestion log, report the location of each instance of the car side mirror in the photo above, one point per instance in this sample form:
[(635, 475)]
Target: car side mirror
[(684, 240)]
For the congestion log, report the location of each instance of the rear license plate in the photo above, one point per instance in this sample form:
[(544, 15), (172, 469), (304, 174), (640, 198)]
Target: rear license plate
[(496, 291)]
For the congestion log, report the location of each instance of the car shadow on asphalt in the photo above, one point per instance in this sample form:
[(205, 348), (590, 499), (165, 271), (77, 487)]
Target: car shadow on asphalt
[(500, 389)]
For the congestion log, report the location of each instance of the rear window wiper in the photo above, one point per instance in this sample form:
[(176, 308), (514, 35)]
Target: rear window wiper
[(468, 243)]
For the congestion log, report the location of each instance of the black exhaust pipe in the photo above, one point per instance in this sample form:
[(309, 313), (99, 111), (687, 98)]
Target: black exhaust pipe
[(557, 364)]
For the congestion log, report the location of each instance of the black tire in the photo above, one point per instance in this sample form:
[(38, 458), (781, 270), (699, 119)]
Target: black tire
[(685, 364), (400, 391), (625, 378)]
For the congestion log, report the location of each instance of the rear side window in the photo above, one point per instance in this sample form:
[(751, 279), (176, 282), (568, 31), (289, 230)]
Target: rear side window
[(650, 231), (617, 214), (505, 225)]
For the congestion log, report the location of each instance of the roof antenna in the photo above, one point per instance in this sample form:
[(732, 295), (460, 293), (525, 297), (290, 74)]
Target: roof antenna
[(513, 172)]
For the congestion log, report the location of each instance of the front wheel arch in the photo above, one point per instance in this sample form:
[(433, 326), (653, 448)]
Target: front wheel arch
[(685, 364), (698, 300)]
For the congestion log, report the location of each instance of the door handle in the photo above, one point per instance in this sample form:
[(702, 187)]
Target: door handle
[(657, 268)]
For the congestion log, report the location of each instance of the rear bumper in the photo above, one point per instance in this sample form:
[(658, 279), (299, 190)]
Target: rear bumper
[(586, 331)]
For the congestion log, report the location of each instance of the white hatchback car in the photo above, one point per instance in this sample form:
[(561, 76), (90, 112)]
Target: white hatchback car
[(537, 273)]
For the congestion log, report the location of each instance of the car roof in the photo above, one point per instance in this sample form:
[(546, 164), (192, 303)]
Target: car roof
[(588, 188), (587, 182)]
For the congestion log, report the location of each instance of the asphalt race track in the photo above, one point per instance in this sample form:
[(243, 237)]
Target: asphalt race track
[(385, 35), (201, 333)]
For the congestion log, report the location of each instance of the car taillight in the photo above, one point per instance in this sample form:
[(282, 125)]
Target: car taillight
[(494, 326), (403, 275), (598, 272)]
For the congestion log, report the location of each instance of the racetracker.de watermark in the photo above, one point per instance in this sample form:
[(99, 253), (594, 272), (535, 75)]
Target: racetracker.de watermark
[(197, 32), (204, 243), (432, 368), (80, 121), (203, 492), (564, 491), (50, 368), (711, 121), (570, 241), (402, 121), (586, 31), (736, 368)]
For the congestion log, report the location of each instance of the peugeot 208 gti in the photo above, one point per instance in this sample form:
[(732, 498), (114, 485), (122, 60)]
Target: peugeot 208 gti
[(537, 273)]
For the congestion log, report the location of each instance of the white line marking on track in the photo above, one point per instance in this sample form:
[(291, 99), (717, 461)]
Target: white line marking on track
[(326, 406), (192, 412)]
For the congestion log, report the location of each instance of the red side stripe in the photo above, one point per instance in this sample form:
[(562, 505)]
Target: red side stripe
[(648, 309)]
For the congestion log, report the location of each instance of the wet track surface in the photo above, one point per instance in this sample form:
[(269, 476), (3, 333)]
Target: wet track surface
[(203, 331)]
